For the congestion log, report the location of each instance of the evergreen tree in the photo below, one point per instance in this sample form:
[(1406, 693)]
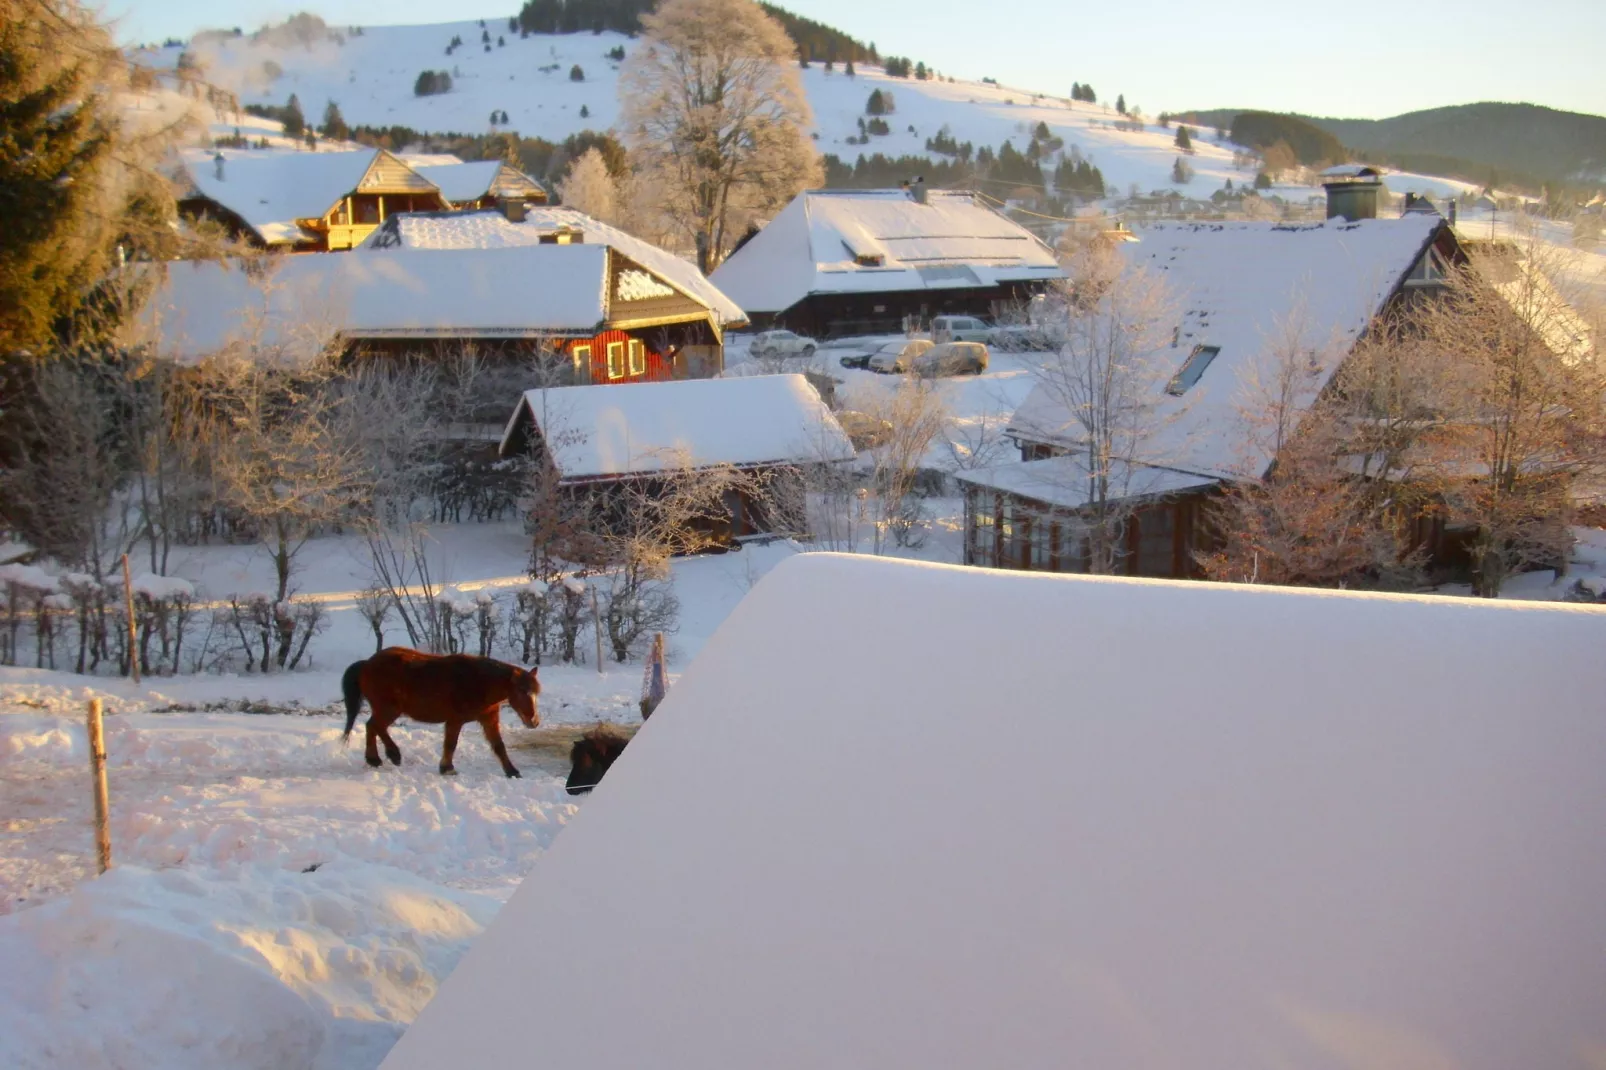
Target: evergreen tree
[(848, 69), (334, 125), (1120, 103), (1181, 173), (1042, 133), (57, 146), (576, 74), (294, 122), (1184, 140), (1076, 90), (877, 105), (1262, 181)]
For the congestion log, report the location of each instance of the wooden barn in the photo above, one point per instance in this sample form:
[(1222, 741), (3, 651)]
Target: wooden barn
[(664, 319), (844, 262), (596, 438), (599, 313), (1236, 286), (303, 201)]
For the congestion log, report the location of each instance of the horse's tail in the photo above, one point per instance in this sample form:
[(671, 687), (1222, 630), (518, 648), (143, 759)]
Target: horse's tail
[(351, 687)]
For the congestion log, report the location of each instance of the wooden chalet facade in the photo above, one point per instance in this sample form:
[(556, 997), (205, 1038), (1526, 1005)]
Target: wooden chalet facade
[(1236, 283), (333, 201)]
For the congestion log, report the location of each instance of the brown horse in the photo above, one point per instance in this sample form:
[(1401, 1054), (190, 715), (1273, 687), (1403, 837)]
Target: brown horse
[(453, 689)]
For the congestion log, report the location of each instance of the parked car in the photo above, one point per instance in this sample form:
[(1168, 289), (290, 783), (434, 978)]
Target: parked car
[(951, 358), (1026, 338), (960, 329), (863, 430), (769, 344), (894, 357)]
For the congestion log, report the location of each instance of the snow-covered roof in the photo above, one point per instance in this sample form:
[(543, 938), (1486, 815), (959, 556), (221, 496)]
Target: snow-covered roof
[(271, 190), (491, 229), (614, 430), (304, 301), (415, 160), (460, 182), (913, 815), (1063, 481), (1247, 288), (877, 241)]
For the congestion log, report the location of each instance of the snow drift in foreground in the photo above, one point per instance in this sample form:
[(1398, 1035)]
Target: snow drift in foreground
[(282, 971), (1075, 821)]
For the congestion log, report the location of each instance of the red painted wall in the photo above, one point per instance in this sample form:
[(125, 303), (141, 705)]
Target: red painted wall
[(658, 368)]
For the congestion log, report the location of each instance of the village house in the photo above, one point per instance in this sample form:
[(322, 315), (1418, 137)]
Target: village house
[(303, 201), (842, 262), (599, 305), (664, 319), (1238, 288), (596, 438)]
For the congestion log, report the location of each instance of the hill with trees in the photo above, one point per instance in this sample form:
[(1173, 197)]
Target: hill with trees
[(1521, 146)]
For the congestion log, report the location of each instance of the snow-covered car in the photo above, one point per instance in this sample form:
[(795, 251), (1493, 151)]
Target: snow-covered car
[(772, 344), (951, 358), (863, 430), (894, 357), (960, 329), (1024, 338)]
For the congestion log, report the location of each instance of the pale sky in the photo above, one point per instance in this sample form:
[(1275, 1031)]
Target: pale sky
[(1164, 55)]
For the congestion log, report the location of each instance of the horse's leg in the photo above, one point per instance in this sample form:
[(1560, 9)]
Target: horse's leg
[(371, 736), (452, 728), (492, 724), (392, 751)]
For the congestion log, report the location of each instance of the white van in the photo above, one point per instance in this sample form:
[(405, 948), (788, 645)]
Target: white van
[(960, 329)]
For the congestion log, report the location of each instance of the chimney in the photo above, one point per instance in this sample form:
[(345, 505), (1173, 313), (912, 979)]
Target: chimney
[(1353, 192), (217, 162), (513, 207), (918, 190), (1452, 211)]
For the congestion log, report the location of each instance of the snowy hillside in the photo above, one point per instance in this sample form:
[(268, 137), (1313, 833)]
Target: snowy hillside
[(371, 75)]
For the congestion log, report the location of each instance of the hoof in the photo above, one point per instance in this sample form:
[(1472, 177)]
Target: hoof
[(447, 770), (374, 761), (514, 773), (395, 759)]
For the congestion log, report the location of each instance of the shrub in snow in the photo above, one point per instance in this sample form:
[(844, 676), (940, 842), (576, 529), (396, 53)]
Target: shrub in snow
[(633, 609), (529, 623), (487, 622), (430, 83), (570, 614), (374, 605), (576, 74), (271, 635)]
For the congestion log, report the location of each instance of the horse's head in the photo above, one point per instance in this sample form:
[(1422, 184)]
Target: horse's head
[(591, 756), (522, 695)]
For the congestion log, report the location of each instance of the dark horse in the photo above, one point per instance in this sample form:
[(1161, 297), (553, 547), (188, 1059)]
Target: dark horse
[(453, 689), (592, 755)]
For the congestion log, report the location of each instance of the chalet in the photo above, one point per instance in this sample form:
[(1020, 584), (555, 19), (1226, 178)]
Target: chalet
[(303, 201), (663, 319), (597, 437), (481, 184), (1236, 286), (596, 315), (839, 262)]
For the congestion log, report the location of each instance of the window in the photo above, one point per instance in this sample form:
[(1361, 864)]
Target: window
[(983, 530), (1192, 369), (581, 355), (638, 357), (616, 360)]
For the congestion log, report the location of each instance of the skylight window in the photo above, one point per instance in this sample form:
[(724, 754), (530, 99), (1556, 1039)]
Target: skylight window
[(1192, 369)]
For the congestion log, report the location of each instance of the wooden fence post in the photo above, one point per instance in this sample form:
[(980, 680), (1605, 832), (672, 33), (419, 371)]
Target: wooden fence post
[(128, 608), (97, 765), (596, 626)]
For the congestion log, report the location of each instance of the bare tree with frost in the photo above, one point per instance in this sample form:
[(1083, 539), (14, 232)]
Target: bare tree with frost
[(716, 119)]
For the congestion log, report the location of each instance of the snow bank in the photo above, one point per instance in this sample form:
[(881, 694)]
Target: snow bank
[(277, 970), (1051, 821)]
